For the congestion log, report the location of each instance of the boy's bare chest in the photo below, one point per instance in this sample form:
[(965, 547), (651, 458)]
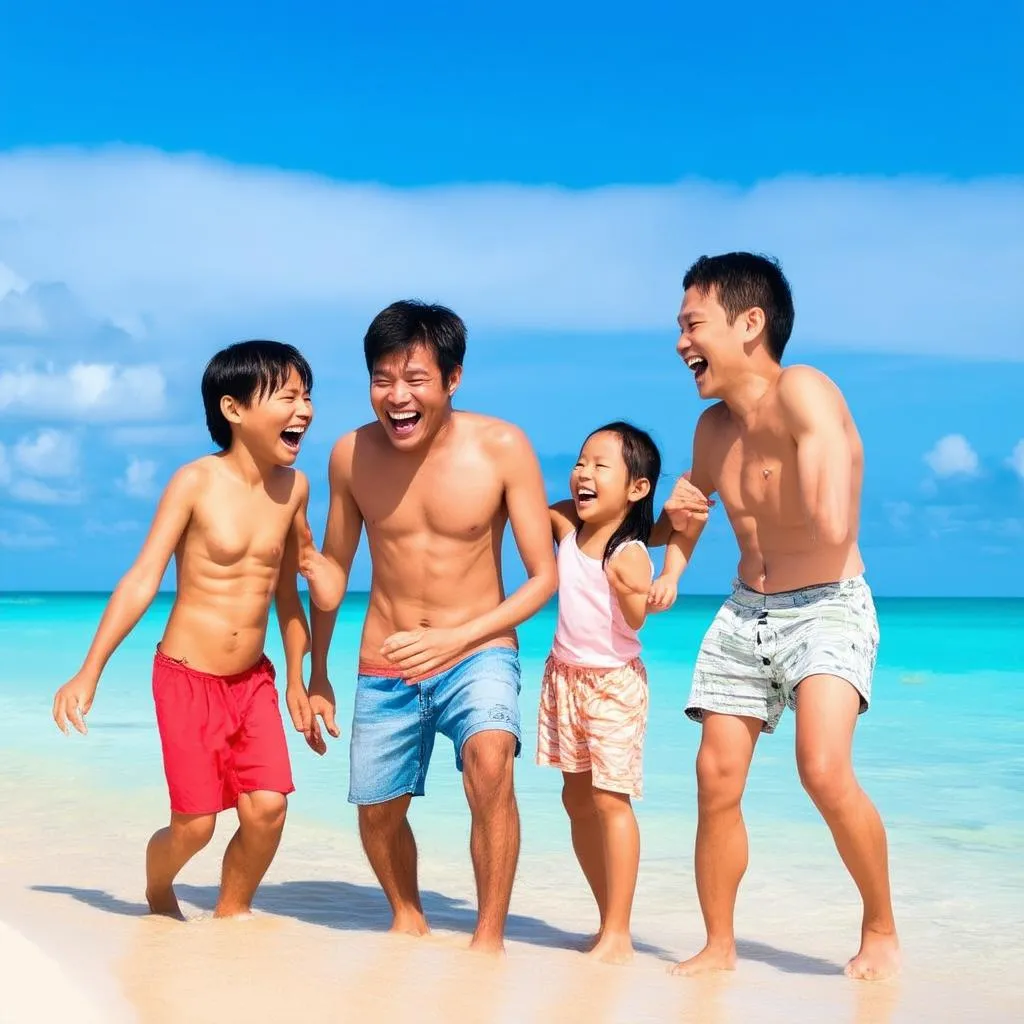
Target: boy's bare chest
[(255, 529)]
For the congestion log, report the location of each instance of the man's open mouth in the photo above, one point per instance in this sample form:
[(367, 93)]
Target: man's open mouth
[(698, 366), (292, 437), (403, 423)]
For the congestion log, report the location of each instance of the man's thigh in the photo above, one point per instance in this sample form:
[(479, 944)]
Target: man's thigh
[(391, 741), (480, 694)]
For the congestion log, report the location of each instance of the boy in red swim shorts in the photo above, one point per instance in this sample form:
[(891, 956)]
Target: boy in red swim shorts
[(235, 523)]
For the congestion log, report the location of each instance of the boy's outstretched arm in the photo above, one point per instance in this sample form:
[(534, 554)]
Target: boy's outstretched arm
[(291, 617), (132, 596), (324, 577)]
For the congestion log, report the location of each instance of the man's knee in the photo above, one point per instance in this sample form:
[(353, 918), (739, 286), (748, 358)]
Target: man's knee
[(487, 760), (827, 778), (721, 777), (382, 819), (263, 812), (193, 830)]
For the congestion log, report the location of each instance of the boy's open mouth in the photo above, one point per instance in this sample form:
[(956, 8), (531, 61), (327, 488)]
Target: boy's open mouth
[(698, 366), (403, 423), (292, 437)]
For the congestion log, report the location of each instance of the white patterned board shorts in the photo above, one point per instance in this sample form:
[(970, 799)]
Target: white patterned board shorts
[(760, 647)]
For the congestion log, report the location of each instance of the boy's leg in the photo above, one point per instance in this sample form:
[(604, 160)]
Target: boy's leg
[(587, 844), (260, 823), (826, 713), (388, 758), (720, 857), (620, 839), (169, 850)]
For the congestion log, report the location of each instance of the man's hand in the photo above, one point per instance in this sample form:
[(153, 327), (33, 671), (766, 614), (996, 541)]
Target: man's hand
[(325, 578), (662, 594), (73, 701), (303, 718), (322, 704), (686, 504), (420, 652)]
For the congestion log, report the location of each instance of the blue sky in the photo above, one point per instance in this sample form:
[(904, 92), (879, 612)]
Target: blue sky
[(173, 181)]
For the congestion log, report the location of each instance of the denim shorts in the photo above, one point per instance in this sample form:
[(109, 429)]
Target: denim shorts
[(760, 647), (395, 722)]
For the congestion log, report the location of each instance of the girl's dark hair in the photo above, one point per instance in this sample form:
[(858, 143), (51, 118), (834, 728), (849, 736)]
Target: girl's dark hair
[(248, 371), (643, 461)]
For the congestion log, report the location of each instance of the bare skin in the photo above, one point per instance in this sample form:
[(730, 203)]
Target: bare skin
[(435, 506), (783, 454), (235, 524)]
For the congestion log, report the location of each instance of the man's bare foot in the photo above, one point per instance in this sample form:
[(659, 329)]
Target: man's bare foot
[(613, 948), (489, 947), (710, 958), (409, 922), (878, 958), (164, 903), (231, 910)]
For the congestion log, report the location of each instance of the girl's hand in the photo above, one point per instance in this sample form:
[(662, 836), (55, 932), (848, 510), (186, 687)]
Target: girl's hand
[(662, 594)]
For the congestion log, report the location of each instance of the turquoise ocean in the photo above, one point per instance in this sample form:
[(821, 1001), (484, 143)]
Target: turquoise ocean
[(941, 750)]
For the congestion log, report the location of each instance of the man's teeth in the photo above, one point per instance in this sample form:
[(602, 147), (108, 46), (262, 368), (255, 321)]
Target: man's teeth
[(400, 416)]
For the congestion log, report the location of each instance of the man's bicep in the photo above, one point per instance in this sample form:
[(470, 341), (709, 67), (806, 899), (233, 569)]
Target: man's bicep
[(527, 506)]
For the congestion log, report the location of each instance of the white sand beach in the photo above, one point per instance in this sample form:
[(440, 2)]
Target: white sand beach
[(77, 941)]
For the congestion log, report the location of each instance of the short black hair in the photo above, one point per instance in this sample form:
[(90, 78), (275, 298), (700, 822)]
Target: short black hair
[(247, 371), (743, 280), (408, 323)]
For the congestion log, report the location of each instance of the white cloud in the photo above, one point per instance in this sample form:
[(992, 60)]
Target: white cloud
[(139, 478), (952, 456), (38, 493), (50, 453), (874, 262), (97, 391), (1016, 459)]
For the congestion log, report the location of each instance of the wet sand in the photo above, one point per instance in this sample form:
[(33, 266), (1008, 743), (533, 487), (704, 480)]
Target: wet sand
[(316, 950)]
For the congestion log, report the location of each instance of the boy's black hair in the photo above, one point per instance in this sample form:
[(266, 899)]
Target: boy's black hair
[(743, 280), (408, 323), (248, 371), (643, 462)]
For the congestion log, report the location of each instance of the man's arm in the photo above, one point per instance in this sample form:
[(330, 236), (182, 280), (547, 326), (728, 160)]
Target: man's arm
[(814, 412), (530, 520), (341, 538), (132, 596)]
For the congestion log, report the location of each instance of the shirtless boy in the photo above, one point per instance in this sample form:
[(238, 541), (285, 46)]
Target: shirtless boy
[(434, 489), (236, 525), (781, 450)]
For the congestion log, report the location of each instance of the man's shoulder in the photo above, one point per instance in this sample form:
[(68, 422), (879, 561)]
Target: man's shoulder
[(805, 391), (711, 421), (497, 436)]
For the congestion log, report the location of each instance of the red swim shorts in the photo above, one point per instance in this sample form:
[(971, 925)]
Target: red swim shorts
[(221, 735)]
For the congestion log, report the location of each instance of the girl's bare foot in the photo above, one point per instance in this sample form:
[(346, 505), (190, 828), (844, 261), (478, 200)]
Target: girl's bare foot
[(613, 948), (878, 957), (710, 958)]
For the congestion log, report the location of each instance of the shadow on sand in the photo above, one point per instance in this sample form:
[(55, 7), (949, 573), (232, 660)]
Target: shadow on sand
[(346, 906)]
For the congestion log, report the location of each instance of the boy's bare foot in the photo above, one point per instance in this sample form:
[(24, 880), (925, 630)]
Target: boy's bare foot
[(409, 922), (613, 948), (878, 957), (164, 903), (710, 958)]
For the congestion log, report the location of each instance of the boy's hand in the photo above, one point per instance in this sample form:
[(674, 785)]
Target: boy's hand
[(420, 651), (686, 504), (325, 579), (662, 594), (302, 716), (322, 704), (72, 703)]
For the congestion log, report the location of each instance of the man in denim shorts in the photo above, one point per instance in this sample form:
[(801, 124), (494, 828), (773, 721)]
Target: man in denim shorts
[(781, 450), (435, 489)]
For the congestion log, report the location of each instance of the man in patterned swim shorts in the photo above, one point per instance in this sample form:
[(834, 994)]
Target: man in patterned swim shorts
[(799, 630)]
